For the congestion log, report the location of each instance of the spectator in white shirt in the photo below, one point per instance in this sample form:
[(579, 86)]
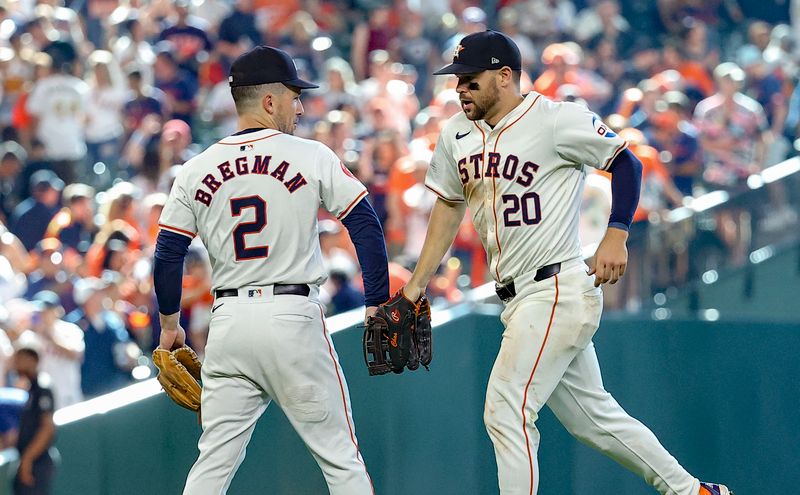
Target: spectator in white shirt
[(62, 348), (60, 102), (104, 130)]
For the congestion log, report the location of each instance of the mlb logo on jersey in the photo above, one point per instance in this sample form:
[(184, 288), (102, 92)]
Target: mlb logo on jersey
[(245, 147), (254, 293)]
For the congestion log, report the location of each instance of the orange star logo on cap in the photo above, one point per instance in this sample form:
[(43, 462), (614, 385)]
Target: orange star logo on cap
[(458, 50)]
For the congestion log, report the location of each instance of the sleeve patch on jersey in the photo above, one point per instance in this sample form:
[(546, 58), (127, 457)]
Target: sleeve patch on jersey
[(601, 128)]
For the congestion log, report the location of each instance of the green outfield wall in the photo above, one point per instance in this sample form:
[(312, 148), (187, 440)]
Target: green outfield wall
[(722, 396)]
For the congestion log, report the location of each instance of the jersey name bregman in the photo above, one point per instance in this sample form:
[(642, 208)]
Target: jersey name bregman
[(242, 167)]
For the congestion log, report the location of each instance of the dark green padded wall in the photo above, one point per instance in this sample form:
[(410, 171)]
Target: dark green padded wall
[(722, 396)]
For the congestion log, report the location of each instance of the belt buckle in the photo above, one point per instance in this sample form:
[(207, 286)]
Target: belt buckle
[(505, 292)]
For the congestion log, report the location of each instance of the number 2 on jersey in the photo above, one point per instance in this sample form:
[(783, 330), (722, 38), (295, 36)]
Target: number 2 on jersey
[(259, 206), (528, 203)]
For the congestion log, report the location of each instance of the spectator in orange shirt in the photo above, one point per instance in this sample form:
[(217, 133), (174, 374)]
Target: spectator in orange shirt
[(562, 61), (276, 13), (695, 73), (401, 178)]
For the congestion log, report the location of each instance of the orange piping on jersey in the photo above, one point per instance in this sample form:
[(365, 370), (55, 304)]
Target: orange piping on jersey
[(326, 336), (252, 140), (445, 198), (494, 188), (533, 371), (518, 118), (347, 210), (494, 210), (177, 230), (619, 150)]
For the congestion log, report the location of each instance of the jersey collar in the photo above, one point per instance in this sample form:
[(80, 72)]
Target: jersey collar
[(511, 116), (249, 130), (232, 139)]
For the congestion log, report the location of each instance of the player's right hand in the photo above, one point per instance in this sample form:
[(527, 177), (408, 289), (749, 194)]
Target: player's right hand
[(611, 257), (173, 335)]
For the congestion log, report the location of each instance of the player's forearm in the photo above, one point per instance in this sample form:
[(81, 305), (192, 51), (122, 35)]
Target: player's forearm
[(442, 228), (41, 440), (626, 182), (365, 231), (171, 249)]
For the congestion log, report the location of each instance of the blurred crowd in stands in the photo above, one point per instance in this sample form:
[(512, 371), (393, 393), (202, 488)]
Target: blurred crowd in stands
[(101, 101)]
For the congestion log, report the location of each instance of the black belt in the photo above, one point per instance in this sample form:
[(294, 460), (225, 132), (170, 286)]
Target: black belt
[(508, 291), (277, 289)]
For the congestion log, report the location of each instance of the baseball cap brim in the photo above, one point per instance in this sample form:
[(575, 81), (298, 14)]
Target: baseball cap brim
[(299, 83), (458, 69)]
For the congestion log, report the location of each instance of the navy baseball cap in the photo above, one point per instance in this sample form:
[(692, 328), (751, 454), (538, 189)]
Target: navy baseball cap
[(487, 50), (264, 65)]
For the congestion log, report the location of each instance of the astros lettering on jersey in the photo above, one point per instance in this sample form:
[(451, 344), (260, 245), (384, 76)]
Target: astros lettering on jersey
[(522, 183), (233, 216)]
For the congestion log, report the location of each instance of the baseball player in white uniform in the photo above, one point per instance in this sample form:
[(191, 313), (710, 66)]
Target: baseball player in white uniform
[(519, 164), (253, 199)]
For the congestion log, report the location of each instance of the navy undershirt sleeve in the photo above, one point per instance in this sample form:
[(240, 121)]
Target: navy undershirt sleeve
[(365, 231), (171, 249), (626, 183)]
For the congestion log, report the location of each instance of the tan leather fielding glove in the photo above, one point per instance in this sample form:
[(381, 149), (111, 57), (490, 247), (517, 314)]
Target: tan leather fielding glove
[(179, 374)]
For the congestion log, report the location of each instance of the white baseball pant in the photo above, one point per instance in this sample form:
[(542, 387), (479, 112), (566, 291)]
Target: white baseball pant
[(547, 356), (261, 348)]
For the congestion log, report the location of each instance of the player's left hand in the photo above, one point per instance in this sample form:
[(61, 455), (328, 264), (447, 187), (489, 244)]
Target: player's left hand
[(173, 335), (611, 257)]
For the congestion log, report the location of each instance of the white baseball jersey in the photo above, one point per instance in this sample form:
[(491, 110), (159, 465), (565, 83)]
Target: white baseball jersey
[(253, 200), (523, 179)]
